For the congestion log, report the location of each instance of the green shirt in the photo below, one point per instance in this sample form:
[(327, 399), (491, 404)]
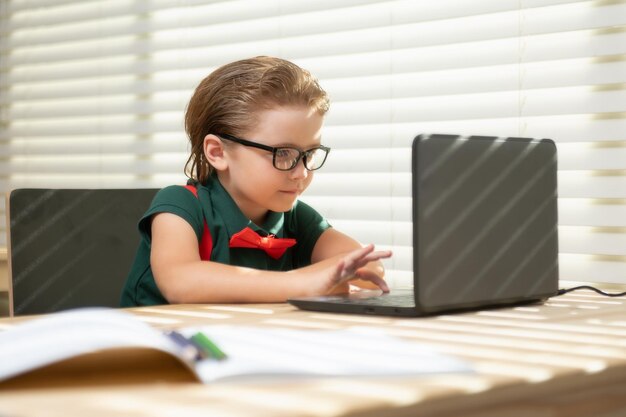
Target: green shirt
[(223, 219)]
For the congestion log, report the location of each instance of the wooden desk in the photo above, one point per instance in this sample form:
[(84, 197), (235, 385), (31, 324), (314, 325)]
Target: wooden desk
[(564, 358)]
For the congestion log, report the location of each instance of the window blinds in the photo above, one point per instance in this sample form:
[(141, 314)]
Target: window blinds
[(92, 94)]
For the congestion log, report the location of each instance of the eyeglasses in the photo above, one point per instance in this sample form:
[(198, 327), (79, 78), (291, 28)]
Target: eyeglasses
[(285, 158)]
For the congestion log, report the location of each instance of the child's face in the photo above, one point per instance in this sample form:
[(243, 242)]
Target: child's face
[(251, 179)]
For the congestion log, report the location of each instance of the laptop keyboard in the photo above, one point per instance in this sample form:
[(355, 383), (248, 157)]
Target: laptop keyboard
[(393, 300)]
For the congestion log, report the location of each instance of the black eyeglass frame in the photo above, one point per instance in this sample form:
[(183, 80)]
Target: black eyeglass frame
[(301, 154)]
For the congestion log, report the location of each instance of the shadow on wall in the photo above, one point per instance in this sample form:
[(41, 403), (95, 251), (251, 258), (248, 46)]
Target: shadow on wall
[(4, 304), (4, 284)]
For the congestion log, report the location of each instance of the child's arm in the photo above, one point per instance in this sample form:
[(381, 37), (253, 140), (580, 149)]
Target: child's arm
[(183, 277)]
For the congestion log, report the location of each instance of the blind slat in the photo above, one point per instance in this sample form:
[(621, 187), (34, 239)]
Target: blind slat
[(585, 268), (574, 184), (572, 212), (571, 100), (552, 74), (585, 240), (372, 61)]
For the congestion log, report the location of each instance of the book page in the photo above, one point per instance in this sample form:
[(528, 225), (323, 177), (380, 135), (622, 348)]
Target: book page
[(55, 337), (264, 352)]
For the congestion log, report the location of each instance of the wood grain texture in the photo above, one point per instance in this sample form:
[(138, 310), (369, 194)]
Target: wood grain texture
[(564, 358)]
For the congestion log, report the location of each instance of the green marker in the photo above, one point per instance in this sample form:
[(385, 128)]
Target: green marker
[(208, 346)]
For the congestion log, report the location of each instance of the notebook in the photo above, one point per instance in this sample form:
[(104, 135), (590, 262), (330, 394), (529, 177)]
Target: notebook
[(484, 229)]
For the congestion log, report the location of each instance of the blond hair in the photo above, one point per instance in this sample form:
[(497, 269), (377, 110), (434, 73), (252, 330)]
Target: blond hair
[(229, 99)]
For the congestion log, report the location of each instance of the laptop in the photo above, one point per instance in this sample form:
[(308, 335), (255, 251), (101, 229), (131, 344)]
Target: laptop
[(484, 229)]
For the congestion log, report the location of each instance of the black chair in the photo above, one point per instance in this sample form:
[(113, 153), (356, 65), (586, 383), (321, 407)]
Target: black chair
[(71, 248)]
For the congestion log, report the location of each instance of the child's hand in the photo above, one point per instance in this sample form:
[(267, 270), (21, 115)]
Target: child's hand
[(337, 277)]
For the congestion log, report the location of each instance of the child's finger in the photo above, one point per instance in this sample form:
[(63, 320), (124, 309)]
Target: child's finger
[(359, 258), (375, 256), (337, 275), (354, 259), (380, 283)]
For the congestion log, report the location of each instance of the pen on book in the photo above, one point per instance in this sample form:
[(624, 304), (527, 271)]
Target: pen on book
[(209, 348), (188, 349)]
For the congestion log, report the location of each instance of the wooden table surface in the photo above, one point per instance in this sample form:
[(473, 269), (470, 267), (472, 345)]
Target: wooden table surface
[(566, 357)]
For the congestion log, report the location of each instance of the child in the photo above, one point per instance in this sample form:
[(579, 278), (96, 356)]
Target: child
[(238, 233)]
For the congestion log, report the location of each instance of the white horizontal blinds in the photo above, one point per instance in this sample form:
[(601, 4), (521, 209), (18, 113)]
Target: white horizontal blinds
[(556, 69), (93, 94), (79, 102)]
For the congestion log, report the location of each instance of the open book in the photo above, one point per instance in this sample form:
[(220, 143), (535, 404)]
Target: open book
[(98, 341)]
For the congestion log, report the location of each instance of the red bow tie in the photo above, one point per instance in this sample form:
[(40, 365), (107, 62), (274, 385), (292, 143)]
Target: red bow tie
[(248, 238)]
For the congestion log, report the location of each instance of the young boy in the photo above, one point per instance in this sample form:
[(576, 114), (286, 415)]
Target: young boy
[(238, 233)]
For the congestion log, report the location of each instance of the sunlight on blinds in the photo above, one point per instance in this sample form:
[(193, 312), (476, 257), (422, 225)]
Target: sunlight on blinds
[(92, 94)]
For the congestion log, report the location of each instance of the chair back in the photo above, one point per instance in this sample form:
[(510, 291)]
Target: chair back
[(71, 248)]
